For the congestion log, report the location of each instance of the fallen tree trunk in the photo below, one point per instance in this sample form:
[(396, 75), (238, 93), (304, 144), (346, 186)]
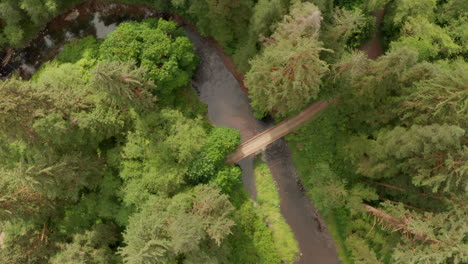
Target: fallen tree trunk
[(397, 224)]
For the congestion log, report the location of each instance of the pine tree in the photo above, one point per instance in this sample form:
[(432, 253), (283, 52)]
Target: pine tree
[(439, 97), (287, 74), (90, 247), (433, 156), (124, 85), (167, 228), (432, 237)]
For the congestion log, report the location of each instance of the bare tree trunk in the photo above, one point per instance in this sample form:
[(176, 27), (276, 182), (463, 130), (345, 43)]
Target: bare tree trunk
[(396, 224)]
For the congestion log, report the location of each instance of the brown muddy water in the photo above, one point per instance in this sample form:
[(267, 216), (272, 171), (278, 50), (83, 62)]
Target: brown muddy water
[(216, 86)]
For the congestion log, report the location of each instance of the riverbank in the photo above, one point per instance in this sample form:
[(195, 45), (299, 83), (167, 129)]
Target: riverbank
[(316, 151), (268, 201)]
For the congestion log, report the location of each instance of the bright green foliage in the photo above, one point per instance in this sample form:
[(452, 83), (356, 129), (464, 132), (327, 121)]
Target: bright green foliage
[(430, 40), (441, 236), (219, 144), (157, 155), (453, 15), (251, 240), (404, 9), (157, 46), (77, 112), (14, 34), (228, 178), (184, 225), (86, 48), (59, 110), (80, 122), (433, 156), (268, 201), (90, 247)]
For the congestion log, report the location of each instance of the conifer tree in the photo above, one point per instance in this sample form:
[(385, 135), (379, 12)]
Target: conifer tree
[(432, 156), (167, 229), (287, 75)]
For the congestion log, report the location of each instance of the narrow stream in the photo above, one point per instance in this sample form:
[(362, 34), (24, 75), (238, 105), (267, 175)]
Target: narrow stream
[(227, 103)]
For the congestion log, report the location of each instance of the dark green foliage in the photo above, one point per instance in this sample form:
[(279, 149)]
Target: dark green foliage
[(265, 14), (369, 86), (90, 247), (169, 63), (20, 16), (439, 96), (433, 156), (224, 20)]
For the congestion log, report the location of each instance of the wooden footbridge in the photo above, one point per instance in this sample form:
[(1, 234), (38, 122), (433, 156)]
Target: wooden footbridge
[(260, 141)]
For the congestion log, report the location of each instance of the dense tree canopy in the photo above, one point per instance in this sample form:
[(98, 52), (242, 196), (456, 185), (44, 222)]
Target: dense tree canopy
[(106, 150), (170, 63), (86, 143), (183, 226), (286, 75)]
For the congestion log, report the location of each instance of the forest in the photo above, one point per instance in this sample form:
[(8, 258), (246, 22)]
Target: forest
[(107, 154)]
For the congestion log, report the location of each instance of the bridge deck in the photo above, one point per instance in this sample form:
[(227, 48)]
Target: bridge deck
[(270, 135)]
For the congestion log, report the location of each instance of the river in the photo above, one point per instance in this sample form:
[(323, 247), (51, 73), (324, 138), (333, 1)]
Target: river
[(228, 105)]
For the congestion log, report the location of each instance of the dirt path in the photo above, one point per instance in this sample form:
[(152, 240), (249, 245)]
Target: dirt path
[(373, 47), (260, 141)]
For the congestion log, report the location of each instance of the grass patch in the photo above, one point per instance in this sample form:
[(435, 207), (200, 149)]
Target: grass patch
[(316, 144), (269, 202), (251, 241), (319, 159)]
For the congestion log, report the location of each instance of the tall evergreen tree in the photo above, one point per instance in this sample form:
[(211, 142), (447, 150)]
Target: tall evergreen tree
[(287, 75), (180, 227)]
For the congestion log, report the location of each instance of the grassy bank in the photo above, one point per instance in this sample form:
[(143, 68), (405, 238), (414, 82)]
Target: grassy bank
[(328, 177), (314, 147), (268, 207)]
